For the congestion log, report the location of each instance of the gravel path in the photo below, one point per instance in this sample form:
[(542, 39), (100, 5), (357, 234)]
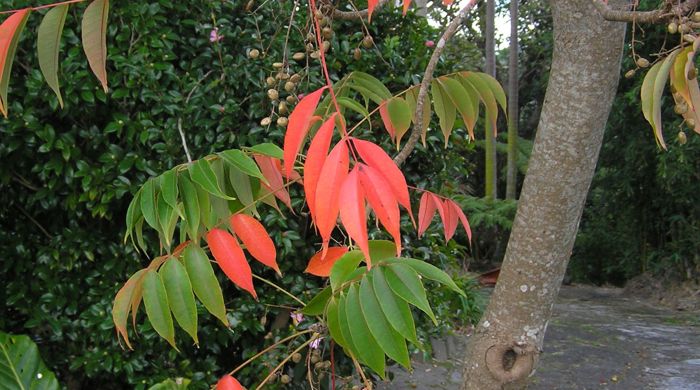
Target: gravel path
[(596, 339)]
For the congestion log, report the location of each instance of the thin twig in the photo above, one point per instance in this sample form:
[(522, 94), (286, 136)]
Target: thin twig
[(361, 372), (257, 355), (354, 15), (179, 120), (285, 292), (35, 222), (656, 16), (282, 363), (417, 129), (43, 6)]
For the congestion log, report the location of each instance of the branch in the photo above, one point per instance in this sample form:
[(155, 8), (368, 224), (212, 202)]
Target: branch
[(417, 129), (354, 15), (656, 16)]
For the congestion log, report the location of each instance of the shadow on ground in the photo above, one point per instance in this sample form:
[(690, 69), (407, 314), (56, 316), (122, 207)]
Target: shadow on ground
[(596, 339)]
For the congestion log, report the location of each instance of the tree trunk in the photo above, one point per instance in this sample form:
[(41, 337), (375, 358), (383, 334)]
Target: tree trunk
[(490, 162), (584, 76), (512, 167)]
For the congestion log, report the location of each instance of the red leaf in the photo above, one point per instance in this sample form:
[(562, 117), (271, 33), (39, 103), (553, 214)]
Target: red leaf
[(256, 239), (269, 166), (8, 29), (334, 172), (383, 202), (377, 158), (447, 2), (230, 257), (452, 220), (406, 4), (352, 211), (386, 118), (371, 4), (441, 210), (298, 126), (227, 382), (315, 157), (462, 218), (321, 266), (426, 212)]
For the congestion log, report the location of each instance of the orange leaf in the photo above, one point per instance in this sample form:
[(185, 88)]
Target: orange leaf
[(273, 175), (230, 257), (94, 35), (386, 118), (426, 212), (298, 126), (377, 158), (447, 2), (334, 171), (227, 382), (444, 216), (315, 157), (406, 4), (452, 220), (321, 266), (383, 202), (462, 218), (352, 211), (371, 4), (256, 239)]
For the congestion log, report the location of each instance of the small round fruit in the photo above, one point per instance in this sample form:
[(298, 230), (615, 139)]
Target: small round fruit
[(690, 122), (254, 54), (327, 32), (319, 366), (283, 75), (680, 108), (684, 28), (273, 94), (672, 28), (682, 138), (299, 56), (282, 108), (266, 121), (357, 54), (270, 81), (367, 42), (296, 358), (630, 73), (318, 13), (282, 121), (642, 62), (696, 17), (249, 6), (315, 55), (315, 359), (296, 77), (291, 99), (326, 46), (309, 47), (325, 21), (278, 65), (285, 379), (289, 86)]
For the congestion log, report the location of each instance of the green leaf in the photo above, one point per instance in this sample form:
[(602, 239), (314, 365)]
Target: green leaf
[(155, 299), (333, 322), (317, 304), (428, 271), (242, 162), (485, 94), (373, 88), (133, 213), (462, 100), (396, 309), (400, 116), (94, 36), (122, 305), (202, 173), (495, 88), (353, 105), (404, 281), (205, 208), (659, 85), (148, 204), (48, 43), (392, 343), (168, 185), (344, 267), (191, 207), (240, 182), (21, 366), (369, 351), (180, 296), (381, 249), (165, 213), (344, 325), (204, 282), (268, 149), (169, 384), (412, 101), (12, 27), (444, 108)]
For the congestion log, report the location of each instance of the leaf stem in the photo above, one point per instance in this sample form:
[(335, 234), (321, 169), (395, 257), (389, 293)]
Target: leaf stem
[(43, 6), (260, 278), (274, 345)]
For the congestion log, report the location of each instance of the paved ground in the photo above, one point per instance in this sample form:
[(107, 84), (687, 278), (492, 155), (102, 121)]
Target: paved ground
[(596, 339)]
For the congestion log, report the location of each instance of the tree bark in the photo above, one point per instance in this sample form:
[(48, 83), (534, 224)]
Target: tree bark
[(513, 115), (585, 71), (490, 162)]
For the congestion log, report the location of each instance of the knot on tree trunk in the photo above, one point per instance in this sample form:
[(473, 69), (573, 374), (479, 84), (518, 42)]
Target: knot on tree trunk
[(510, 362)]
